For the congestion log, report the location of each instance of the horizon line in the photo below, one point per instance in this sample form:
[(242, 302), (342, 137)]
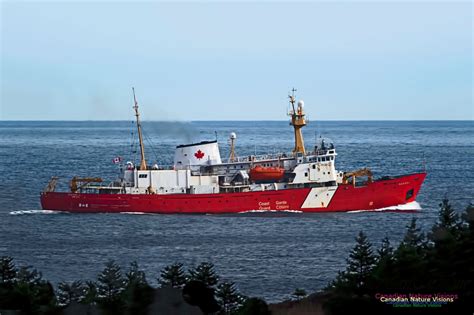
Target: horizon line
[(223, 120)]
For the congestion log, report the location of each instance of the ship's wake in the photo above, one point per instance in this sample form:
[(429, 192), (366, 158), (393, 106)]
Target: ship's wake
[(23, 212), (406, 208), (413, 206)]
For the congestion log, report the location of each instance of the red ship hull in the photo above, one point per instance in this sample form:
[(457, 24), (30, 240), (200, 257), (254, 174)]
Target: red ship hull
[(375, 195)]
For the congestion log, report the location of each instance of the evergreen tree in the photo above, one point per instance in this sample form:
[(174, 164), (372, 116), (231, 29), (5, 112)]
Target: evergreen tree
[(386, 250), (447, 236), (173, 275), (464, 262), (228, 298), (30, 293), (382, 272), (70, 292), (410, 263), (360, 263), (448, 227), (7, 270), (413, 238), (90, 295), (135, 276), (27, 275), (205, 273), (110, 282), (138, 294), (110, 285), (468, 217)]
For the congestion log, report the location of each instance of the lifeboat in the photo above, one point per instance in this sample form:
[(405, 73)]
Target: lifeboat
[(261, 173)]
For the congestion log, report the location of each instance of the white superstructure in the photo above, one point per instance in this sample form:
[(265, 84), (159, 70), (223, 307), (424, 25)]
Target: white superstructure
[(202, 153)]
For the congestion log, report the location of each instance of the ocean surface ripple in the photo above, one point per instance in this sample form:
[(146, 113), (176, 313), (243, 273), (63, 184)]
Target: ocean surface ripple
[(266, 254)]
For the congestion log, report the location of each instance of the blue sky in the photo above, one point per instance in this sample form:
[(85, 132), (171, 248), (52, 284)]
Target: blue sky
[(236, 61)]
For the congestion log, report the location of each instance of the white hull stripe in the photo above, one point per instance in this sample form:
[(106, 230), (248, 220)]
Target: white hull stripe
[(319, 197)]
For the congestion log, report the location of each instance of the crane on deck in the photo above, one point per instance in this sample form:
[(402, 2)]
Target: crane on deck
[(83, 182), (357, 173)]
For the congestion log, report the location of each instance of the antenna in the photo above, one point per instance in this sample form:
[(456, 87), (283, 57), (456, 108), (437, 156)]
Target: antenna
[(292, 99), (134, 99), (140, 136)]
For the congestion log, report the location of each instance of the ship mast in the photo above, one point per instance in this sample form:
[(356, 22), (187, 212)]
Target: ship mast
[(140, 137), (297, 121)]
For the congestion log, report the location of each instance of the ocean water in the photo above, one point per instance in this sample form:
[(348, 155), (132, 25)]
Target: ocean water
[(265, 254)]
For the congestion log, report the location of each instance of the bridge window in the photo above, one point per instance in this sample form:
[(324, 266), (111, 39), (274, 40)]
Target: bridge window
[(142, 175)]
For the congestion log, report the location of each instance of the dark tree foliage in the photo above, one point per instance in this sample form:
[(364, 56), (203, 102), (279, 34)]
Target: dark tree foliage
[(138, 294), (464, 263), (135, 276), (448, 225), (204, 273), (468, 218), (254, 306), (173, 275), (409, 270), (70, 292), (361, 261), (386, 250), (7, 270), (228, 298), (414, 237), (199, 294), (443, 263), (352, 287), (110, 285), (90, 294), (385, 264), (24, 289), (446, 242), (27, 275)]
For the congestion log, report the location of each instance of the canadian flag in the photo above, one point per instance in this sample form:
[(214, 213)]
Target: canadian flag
[(117, 160)]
